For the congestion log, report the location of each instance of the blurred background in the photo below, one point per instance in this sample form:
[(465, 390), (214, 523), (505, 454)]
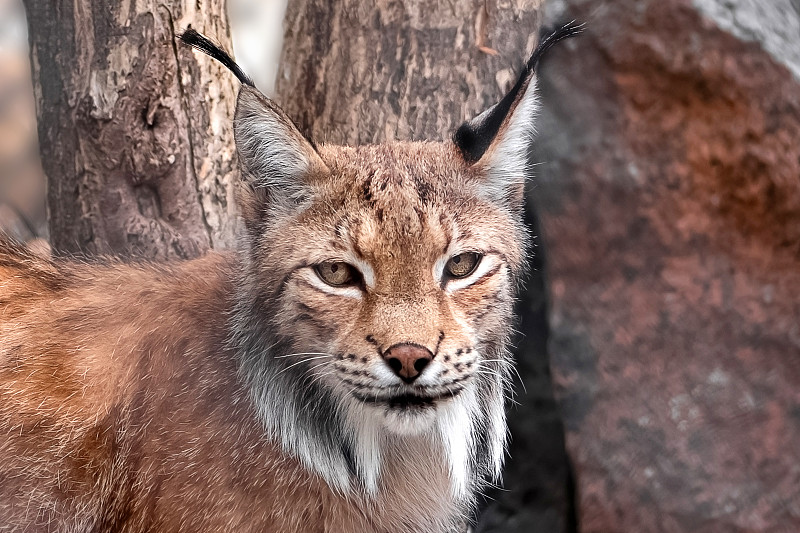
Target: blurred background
[(22, 193), (660, 329)]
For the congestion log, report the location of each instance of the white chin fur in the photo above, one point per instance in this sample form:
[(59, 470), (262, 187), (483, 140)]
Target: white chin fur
[(448, 425), (409, 422)]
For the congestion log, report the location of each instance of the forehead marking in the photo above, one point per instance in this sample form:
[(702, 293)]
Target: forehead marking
[(424, 189)]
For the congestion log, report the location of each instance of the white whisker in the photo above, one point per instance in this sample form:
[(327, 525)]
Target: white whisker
[(301, 362), (302, 353)]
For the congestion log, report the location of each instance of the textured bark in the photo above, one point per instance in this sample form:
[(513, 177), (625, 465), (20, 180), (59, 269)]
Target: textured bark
[(671, 216), (134, 129), (357, 72)]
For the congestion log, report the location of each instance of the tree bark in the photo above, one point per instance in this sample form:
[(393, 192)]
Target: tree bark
[(354, 72), (135, 130)]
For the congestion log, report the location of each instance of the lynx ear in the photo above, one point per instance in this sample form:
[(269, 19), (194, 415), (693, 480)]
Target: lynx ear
[(276, 160), (275, 157), (497, 141)]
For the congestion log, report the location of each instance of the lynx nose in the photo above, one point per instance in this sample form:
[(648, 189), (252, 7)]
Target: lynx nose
[(407, 360)]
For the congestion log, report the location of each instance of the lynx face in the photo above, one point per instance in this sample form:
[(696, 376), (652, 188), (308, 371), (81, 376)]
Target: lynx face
[(375, 299), (378, 292), (397, 276)]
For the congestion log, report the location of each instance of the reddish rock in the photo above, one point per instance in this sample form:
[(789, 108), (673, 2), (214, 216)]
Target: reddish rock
[(670, 203)]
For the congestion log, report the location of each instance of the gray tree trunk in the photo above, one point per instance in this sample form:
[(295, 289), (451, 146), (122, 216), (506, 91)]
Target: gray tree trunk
[(355, 72), (134, 129)]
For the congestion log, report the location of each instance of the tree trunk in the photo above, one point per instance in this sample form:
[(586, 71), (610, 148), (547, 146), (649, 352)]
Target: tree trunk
[(135, 130), (356, 72)]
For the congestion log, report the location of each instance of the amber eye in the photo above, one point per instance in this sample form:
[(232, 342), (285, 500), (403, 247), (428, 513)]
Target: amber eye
[(336, 273), (462, 265)]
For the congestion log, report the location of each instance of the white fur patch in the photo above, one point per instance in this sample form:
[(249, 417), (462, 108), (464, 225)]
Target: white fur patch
[(431, 376), (367, 443), (497, 429), (506, 162), (455, 426), (410, 423), (384, 376)]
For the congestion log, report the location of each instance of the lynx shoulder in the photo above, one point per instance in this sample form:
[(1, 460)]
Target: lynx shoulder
[(343, 370)]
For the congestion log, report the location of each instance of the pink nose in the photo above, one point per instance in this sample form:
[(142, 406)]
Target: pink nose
[(407, 360)]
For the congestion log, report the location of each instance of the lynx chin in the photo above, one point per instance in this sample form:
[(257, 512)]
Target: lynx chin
[(344, 370)]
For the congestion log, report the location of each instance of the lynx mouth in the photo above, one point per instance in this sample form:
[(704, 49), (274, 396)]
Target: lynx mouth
[(407, 401)]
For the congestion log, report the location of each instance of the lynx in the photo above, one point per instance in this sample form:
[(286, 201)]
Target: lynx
[(344, 370)]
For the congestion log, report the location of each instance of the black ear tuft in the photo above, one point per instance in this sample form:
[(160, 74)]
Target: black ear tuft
[(208, 47), (570, 29), (475, 136)]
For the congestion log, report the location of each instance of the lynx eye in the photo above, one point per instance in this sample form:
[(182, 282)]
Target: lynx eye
[(462, 265), (336, 273)]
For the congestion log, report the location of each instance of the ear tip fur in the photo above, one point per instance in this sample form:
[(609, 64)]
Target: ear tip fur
[(570, 29), (474, 137), (248, 92), (200, 42)]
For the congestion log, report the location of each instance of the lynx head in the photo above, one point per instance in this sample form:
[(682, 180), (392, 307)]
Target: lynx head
[(376, 297)]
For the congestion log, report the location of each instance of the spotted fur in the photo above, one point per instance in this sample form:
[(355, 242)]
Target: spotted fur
[(240, 391)]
